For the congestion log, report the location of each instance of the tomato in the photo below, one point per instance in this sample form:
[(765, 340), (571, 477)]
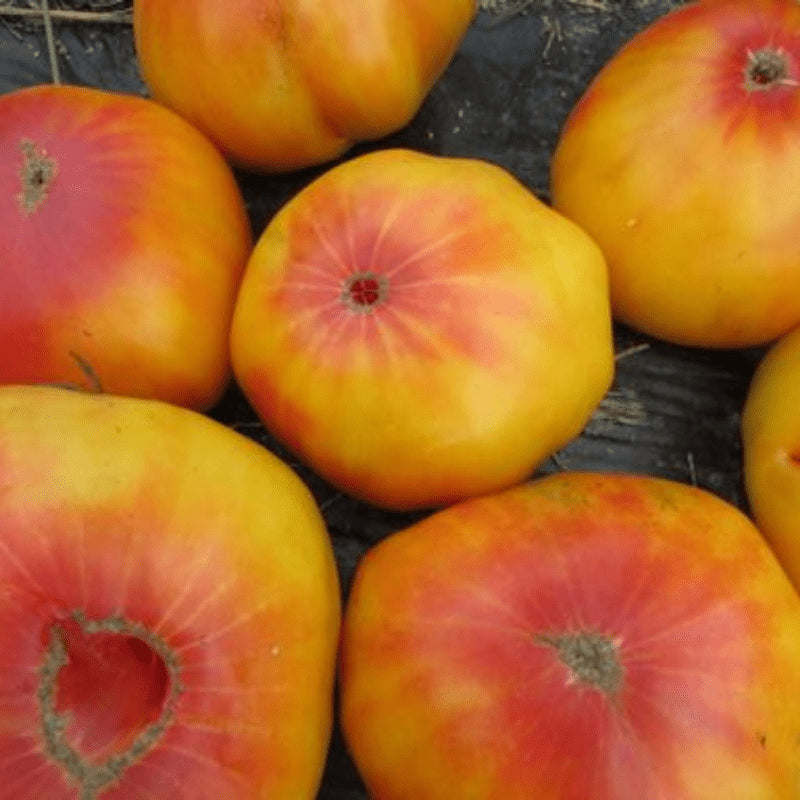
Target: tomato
[(284, 84), (610, 637), (771, 449), (165, 631), (682, 160), (420, 329), (124, 236)]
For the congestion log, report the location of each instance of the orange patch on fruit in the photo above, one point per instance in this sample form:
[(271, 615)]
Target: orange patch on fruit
[(427, 263)]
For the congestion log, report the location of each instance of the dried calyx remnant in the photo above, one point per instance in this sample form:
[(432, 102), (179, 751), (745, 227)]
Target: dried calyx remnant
[(37, 173), (592, 658), (767, 68), (363, 292), (93, 778)]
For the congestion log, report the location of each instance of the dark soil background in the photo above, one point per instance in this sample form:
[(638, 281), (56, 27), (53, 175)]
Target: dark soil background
[(672, 412)]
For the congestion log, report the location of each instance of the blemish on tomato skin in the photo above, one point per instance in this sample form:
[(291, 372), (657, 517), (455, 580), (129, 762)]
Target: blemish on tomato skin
[(84, 653), (37, 173)]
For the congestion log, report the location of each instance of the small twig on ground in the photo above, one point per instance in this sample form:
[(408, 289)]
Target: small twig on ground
[(504, 9), (552, 28), (46, 15), (326, 504), (631, 351), (507, 8), (10, 28), (123, 16), (51, 42), (622, 407), (239, 425), (600, 5), (504, 6), (692, 471)]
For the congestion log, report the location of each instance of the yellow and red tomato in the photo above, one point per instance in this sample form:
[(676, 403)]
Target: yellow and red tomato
[(123, 237), (682, 160), (284, 84), (166, 630), (771, 449), (420, 329), (584, 636)]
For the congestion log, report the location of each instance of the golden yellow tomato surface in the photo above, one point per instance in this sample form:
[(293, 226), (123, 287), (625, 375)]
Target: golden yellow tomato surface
[(420, 329), (282, 84), (771, 443), (682, 160)]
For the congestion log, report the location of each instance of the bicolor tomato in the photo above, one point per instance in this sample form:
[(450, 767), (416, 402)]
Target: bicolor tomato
[(682, 160), (583, 636), (283, 84), (771, 449), (124, 236), (420, 329), (166, 629)]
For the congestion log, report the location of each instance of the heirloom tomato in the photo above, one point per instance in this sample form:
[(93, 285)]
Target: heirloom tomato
[(682, 160), (123, 237), (420, 329), (283, 84), (771, 446), (169, 607), (582, 637)]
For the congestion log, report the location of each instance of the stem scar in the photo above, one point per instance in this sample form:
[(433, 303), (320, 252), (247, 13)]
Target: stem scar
[(37, 173)]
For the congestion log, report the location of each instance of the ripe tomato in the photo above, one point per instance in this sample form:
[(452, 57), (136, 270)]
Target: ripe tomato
[(123, 237), (169, 607), (682, 160), (420, 329), (282, 84), (584, 636), (771, 448)]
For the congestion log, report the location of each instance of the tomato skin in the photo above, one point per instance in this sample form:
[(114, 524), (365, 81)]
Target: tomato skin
[(771, 449), (451, 685), (128, 266), (420, 329), (284, 84), (674, 160), (116, 508)]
